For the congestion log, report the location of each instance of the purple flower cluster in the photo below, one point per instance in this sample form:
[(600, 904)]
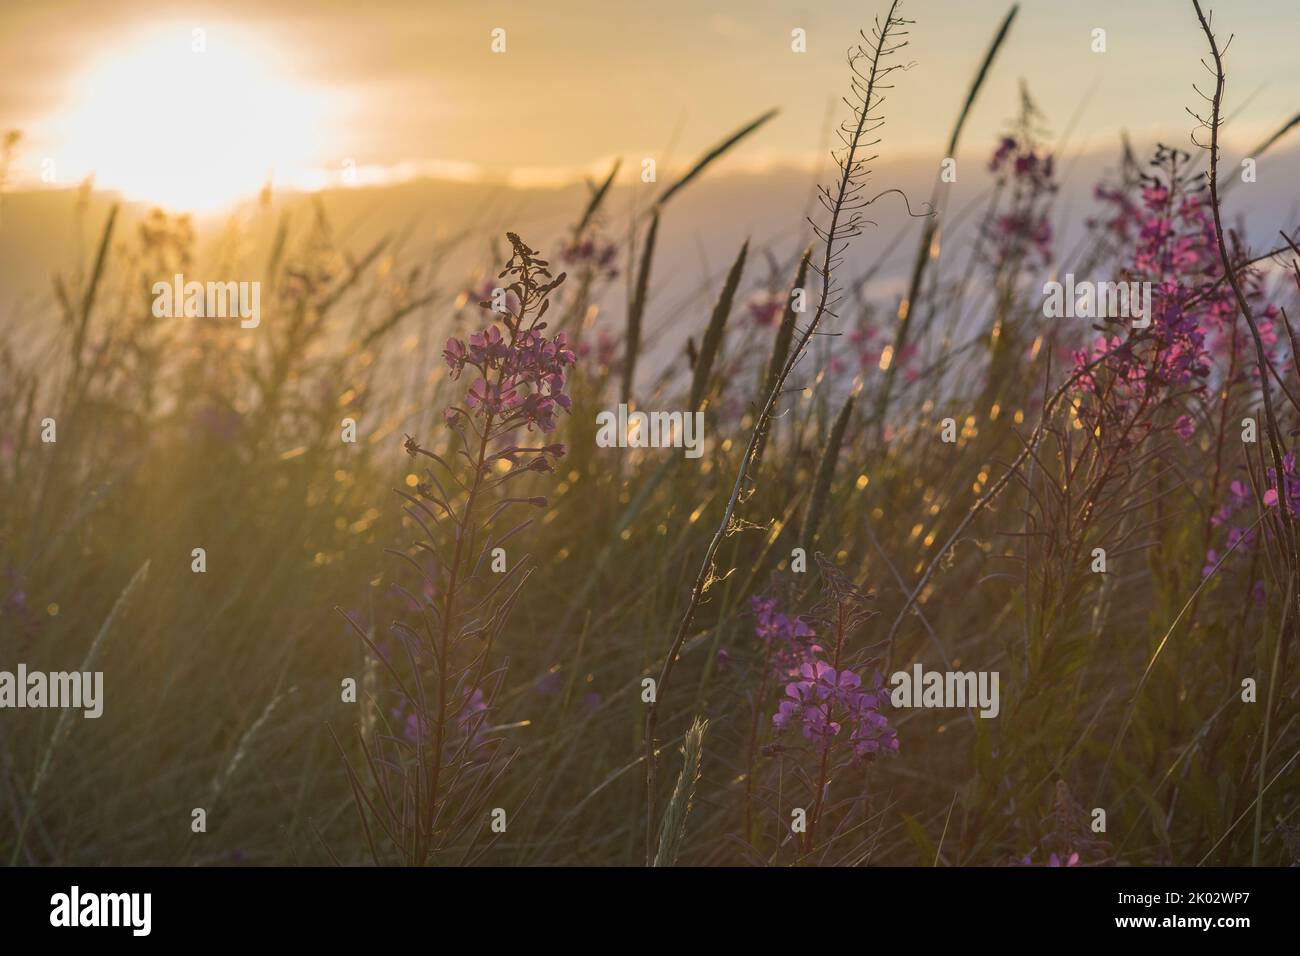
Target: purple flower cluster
[(1290, 486), (765, 308), (790, 642), (1175, 242), (1012, 158), (823, 700), (1193, 312), (1238, 499), (1236, 512), (521, 378), (1024, 227), (866, 339), (826, 701), (595, 253), (605, 350)]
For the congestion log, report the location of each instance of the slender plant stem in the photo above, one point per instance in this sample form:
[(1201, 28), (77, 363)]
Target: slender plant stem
[(834, 244)]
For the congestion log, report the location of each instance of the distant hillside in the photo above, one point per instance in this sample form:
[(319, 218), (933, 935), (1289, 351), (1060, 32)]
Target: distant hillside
[(701, 230)]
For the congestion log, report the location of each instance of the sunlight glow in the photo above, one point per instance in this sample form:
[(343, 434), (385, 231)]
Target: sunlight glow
[(160, 122)]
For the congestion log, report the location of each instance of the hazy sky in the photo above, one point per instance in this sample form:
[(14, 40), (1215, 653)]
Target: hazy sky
[(411, 87)]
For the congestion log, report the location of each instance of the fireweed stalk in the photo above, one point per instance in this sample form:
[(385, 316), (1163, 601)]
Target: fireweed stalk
[(1290, 551), (1285, 520), (824, 693), (1175, 249), (843, 204), (1117, 380), (435, 796)]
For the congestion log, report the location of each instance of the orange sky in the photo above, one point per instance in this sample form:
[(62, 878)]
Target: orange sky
[(319, 93)]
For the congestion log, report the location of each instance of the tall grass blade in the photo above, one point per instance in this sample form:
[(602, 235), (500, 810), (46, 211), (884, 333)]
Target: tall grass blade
[(598, 195), (781, 351), (908, 307), (712, 342), (636, 310), (703, 162), (825, 472)]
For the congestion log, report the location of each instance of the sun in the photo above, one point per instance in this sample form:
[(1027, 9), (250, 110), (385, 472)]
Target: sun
[(192, 119)]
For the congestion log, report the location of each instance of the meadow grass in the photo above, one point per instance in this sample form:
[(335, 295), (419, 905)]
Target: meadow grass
[(1122, 689)]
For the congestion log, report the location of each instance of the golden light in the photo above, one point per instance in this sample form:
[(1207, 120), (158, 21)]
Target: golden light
[(190, 118)]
